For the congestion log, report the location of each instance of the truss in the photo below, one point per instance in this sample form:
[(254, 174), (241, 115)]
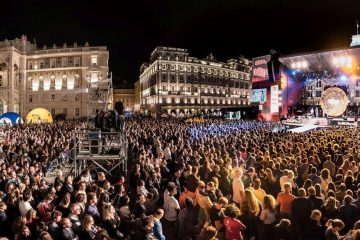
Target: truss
[(100, 97), (105, 151)]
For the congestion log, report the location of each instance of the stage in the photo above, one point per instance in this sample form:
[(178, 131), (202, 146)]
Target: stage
[(304, 123)]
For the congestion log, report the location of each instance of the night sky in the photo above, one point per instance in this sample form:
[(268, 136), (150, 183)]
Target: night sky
[(227, 28)]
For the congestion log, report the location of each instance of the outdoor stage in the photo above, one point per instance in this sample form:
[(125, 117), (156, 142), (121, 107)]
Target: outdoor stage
[(305, 123)]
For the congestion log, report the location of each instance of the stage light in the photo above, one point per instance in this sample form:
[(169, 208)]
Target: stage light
[(335, 61), (293, 65), (298, 64), (343, 78), (293, 73), (304, 64)]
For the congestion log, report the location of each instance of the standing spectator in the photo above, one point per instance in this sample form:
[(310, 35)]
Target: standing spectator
[(158, 233), (301, 210), (233, 227), (54, 225), (313, 230), (284, 200), (171, 206), (67, 232), (238, 187), (333, 228), (317, 201), (268, 216)]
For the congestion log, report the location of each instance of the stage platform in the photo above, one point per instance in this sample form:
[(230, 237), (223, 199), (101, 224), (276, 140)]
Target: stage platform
[(305, 124)]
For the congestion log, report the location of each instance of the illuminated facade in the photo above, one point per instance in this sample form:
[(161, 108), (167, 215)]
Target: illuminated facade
[(176, 83), (55, 78), (127, 97)]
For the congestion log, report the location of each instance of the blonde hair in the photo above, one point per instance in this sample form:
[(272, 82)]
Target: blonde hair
[(250, 203)]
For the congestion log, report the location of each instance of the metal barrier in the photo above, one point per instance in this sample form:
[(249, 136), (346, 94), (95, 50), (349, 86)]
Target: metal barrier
[(63, 158)]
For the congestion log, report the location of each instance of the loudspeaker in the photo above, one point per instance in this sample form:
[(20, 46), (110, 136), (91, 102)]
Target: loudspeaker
[(274, 67), (119, 108)]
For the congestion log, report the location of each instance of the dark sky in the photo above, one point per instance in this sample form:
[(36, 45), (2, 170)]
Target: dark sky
[(132, 29)]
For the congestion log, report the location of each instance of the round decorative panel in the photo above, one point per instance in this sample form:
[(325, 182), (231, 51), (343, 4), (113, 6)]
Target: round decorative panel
[(334, 101)]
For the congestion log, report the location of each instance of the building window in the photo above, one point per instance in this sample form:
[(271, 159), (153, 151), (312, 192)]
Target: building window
[(1, 81), (30, 66), (189, 89), (53, 63), (94, 61), (357, 93), (164, 77), (77, 62), (64, 98), (172, 88), (65, 111), (53, 111), (30, 98), (64, 63), (181, 89), (41, 65), (318, 93), (77, 112), (52, 98)]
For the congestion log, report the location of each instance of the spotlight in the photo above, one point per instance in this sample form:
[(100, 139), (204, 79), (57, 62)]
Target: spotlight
[(343, 78)]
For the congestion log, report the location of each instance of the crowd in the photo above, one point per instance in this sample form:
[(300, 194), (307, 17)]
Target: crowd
[(214, 179)]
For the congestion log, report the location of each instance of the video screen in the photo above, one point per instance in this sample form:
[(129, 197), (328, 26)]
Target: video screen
[(258, 95)]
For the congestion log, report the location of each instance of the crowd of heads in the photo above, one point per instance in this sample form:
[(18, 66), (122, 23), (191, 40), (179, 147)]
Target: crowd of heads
[(214, 179)]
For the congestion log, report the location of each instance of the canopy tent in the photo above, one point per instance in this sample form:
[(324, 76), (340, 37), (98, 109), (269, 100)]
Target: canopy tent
[(39, 115), (10, 118)]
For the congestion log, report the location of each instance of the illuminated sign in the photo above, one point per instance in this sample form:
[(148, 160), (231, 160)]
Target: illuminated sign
[(260, 71), (274, 99)]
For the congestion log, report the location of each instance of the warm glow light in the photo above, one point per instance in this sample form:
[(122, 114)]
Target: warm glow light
[(47, 84), (35, 84), (70, 83), (58, 83), (293, 65)]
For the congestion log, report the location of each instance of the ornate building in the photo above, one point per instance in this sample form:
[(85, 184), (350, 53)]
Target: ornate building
[(176, 83), (127, 97), (59, 79)]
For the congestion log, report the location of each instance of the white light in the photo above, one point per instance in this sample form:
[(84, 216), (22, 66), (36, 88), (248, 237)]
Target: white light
[(304, 64), (35, 84), (293, 65), (70, 83), (47, 84), (336, 61), (342, 61), (298, 64), (58, 84)]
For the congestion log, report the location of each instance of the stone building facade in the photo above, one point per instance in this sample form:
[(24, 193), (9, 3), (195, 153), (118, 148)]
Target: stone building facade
[(176, 83), (56, 78)]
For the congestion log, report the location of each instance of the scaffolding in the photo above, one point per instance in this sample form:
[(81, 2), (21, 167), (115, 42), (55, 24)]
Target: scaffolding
[(104, 151), (100, 97), (96, 149)]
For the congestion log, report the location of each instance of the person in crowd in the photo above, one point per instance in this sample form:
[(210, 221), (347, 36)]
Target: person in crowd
[(67, 232), (158, 232), (111, 222), (317, 201), (284, 200), (233, 227), (283, 231), (238, 187), (268, 216), (334, 226), (301, 209), (54, 226), (171, 206), (313, 229)]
